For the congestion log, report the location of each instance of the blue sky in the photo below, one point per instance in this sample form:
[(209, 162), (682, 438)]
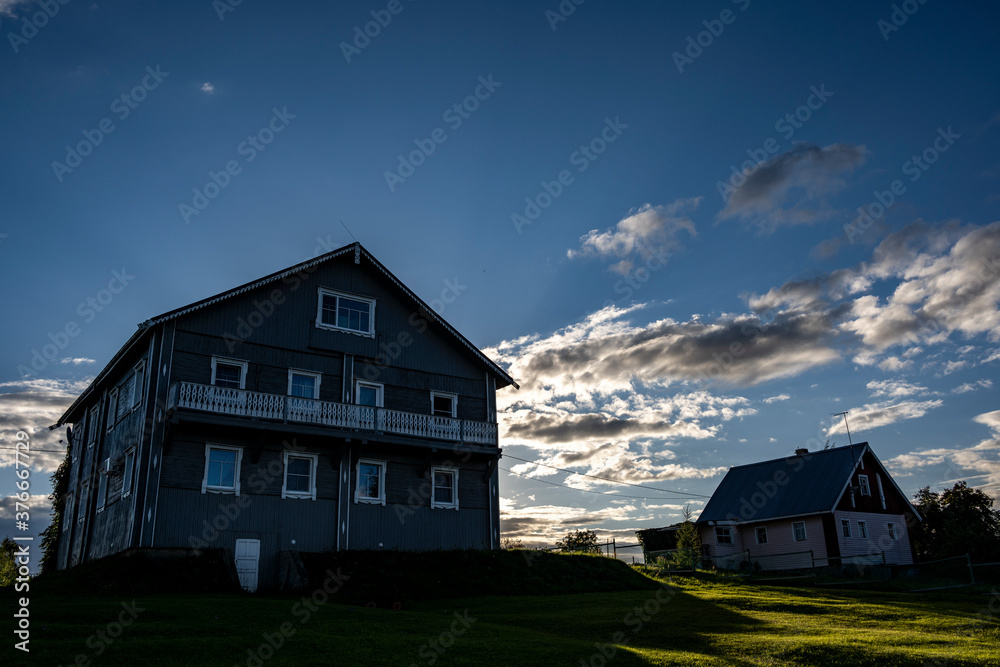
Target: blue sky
[(697, 170)]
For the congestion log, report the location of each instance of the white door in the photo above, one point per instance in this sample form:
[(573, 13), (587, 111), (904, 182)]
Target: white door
[(247, 557)]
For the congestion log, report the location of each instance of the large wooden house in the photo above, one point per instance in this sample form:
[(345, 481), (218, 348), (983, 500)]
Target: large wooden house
[(320, 408), (829, 507)]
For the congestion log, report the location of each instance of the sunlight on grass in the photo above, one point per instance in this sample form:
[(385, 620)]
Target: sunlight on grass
[(693, 623)]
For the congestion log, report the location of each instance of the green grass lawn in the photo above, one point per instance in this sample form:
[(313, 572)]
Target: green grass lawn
[(702, 623)]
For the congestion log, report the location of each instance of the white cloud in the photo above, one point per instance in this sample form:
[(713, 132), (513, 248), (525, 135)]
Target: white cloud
[(972, 386), (895, 388), (978, 464), (32, 407), (7, 7), (77, 361), (874, 415), (775, 399), (648, 235), (789, 188), (207, 88)]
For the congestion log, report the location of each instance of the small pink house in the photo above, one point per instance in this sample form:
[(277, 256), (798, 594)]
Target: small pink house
[(831, 507)]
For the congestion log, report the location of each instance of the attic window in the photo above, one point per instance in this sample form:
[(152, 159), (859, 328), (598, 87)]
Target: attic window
[(345, 312), (866, 489)]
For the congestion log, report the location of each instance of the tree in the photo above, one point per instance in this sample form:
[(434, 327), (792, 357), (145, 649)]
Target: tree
[(50, 536), (688, 543), (580, 540), (8, 567), (960, 520), (511, 543)]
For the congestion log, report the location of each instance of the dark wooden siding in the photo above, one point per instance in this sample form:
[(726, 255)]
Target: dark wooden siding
[(895, 503), (191, 519), (409, 354), (407, 522), (108, 530)]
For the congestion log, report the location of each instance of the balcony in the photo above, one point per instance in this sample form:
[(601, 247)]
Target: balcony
[(258, 405)]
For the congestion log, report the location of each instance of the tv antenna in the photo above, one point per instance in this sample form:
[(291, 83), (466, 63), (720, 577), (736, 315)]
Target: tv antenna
[(846, 425), (349, 231)]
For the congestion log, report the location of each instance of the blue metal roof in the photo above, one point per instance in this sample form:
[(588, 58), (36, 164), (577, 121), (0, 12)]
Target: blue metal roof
[(802, 484)]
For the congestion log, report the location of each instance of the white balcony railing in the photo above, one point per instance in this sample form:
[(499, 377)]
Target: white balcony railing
[(243, 403)]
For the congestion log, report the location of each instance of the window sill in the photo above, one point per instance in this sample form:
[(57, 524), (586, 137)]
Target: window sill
[(298, 496), (330, 327), (440, 506), (223, 491), (370, 501)]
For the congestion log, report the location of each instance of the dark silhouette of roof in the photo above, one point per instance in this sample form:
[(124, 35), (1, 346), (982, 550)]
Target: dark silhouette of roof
[(808, 483)]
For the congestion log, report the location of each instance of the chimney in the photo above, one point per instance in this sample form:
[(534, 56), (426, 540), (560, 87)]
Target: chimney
[(802, 451)]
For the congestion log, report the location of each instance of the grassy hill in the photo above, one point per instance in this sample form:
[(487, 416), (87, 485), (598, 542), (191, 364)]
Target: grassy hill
[(691, 622)]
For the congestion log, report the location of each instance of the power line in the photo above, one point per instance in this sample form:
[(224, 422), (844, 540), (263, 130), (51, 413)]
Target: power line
[(573, 488), (607, 479), (29, 451)]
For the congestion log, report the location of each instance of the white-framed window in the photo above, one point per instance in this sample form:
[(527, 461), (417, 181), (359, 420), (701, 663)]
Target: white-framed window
[(369, 393), (761, 533), (230, 373), (845, 527), (444, 404), (799, 531), (222, 469), (891, 527), (866, 489), (723, 535), (128, 473), (112, 408), (95, 415), (126, 395), (67, 513), (303, 384), (300, 475), (863, 530), (371, 482), (139, 384), (102, 484), (444, 495), (84, 499), (345, 312)]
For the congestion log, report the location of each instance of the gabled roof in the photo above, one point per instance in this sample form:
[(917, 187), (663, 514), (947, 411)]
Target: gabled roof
[(814, 483), (359, 252)]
